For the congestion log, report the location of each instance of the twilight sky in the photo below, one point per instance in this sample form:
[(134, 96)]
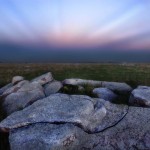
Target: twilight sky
[(33, 29)]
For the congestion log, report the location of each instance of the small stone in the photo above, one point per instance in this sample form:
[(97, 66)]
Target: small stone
[(105, 94), (140, 96), (17, 79)]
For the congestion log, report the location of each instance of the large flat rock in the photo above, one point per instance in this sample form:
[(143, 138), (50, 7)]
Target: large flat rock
[(92, 115), (130, 133), (118, 87), (133, 132), (45, 136)]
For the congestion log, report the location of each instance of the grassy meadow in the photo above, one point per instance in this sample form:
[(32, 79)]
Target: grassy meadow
[(133, 74)]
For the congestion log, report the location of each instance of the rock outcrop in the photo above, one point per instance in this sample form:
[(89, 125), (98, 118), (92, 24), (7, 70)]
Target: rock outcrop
[(40, 118), (140, 96), (132, 132), (120, 88)]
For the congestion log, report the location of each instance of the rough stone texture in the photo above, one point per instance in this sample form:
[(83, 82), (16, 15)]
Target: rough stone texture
[(133, 132), (15, 88), (25, 96), (17, 79), (105, 94), (20, 100), (120, 88), (130, 133), (92, 115), (43, 79), (77, 109), (140, 96), (3, 89), (45, 136), (52, 87), (115, 113)]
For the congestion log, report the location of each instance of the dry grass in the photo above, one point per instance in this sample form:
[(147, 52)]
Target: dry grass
[(134, 74)]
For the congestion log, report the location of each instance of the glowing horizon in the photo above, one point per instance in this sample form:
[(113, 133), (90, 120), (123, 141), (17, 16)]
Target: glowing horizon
[(123, 24)]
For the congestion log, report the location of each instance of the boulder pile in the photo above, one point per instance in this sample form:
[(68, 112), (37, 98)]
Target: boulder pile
[(41, 117)]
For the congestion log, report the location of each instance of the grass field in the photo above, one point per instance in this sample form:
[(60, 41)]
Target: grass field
[(133, 74)]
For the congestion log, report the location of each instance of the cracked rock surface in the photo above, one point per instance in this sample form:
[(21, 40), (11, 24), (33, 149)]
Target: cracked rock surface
[(132, 132), (51, 137), (58, 108)]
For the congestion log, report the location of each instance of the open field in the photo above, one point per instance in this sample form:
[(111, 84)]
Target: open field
[(133, 74)]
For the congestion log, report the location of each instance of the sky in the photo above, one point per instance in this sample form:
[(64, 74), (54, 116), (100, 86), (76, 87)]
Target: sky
[(75, 30)]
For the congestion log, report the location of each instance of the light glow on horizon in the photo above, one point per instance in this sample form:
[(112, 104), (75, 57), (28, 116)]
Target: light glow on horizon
[(123, 24)]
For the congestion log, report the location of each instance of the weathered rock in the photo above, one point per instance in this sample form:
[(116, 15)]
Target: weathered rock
[(3, 89), (82, 82), (132, 132), (26, 95), (105, 94), (30, 86), (43, 79), (140, 96), (45, 136), (92, 115), (52, 87), (115, 113), (77, 109), (119, 88), (15, 88), (17, 79)]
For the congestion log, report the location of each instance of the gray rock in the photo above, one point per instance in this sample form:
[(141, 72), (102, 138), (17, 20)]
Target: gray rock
[(140, 96), (82, 82), (43, 79), (115, 113), (23, 97), (3, 89), (92, 115), (45, 136), (105, 94), (59, 108), (132, 132), (15, 88), (119, 88), (52, 87), (17, 79)]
